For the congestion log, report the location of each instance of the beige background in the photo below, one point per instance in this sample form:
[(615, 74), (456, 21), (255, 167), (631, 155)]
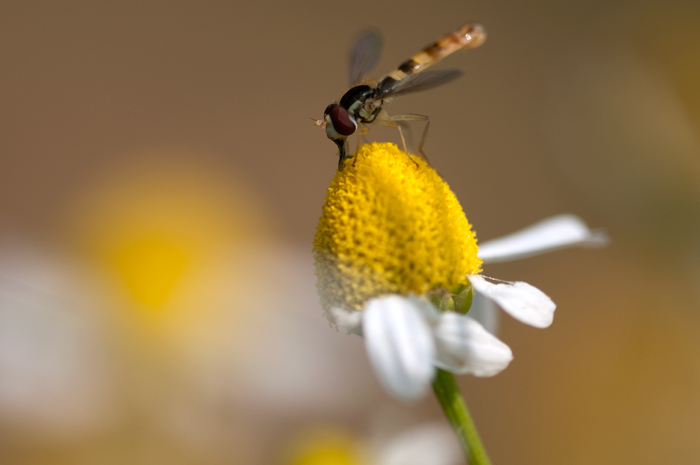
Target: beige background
[(111, 111)]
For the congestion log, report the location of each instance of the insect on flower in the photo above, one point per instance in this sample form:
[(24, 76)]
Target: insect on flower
[(362, 104)]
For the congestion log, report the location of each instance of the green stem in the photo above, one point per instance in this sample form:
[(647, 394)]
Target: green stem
[(450, 399)]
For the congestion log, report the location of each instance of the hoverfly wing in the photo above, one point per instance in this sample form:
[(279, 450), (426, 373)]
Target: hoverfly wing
[(423, 81), (364, 54)]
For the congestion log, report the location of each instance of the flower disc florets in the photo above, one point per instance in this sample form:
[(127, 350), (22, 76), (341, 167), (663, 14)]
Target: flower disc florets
[(390, 227)]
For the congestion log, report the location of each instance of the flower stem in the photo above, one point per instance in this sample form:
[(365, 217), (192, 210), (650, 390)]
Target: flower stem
[(447, 392)]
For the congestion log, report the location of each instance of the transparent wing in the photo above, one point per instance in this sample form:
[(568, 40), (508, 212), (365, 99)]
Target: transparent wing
[(364, 54), (423, 81)]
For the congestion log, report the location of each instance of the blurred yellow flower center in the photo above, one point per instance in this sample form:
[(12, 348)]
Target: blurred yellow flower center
[(151, 267), (389, 226), (326, 447)]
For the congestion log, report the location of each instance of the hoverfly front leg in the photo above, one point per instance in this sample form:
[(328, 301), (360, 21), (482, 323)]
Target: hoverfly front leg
[(363, 129), (342, 152)]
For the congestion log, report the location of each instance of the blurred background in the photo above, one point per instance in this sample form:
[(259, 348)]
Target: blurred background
[(160, 185)]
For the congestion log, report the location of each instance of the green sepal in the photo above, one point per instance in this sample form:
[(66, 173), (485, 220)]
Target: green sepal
[(462, 298), (442, 300)]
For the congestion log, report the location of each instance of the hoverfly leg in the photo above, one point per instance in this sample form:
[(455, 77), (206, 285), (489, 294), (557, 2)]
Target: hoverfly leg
[(414, 117), (383, 119), (403, 141), (422, 141), (362, 130), (342, 153)]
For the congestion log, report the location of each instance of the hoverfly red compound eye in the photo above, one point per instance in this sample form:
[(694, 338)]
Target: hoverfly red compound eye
[(342, 123), (329, 108)]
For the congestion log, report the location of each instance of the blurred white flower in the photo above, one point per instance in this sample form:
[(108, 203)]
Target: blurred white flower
[(55, 374), (432, 443), (429, 443)]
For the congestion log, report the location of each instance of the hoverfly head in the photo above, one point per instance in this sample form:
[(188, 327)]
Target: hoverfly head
[(339, 123)]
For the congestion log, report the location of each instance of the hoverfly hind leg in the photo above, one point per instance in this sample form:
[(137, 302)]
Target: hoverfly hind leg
[(383, 119), (403, 141), (414, 117)]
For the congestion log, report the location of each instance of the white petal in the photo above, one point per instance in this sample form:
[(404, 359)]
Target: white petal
[(428, 309), (431, 443), (550, 234), (346, 320), (464, 346), (523, 302), (400, 346), (485, 311)]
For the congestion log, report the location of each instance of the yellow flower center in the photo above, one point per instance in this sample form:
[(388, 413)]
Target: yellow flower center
[(389, 226)]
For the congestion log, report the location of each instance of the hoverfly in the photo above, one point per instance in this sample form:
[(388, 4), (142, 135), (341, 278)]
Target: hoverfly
[(362, 104)]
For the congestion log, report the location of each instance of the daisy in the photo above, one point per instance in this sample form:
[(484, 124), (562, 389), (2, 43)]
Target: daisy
[(398, 264)]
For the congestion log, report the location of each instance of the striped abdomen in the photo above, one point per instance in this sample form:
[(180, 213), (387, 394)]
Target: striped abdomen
[(469, 36)]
